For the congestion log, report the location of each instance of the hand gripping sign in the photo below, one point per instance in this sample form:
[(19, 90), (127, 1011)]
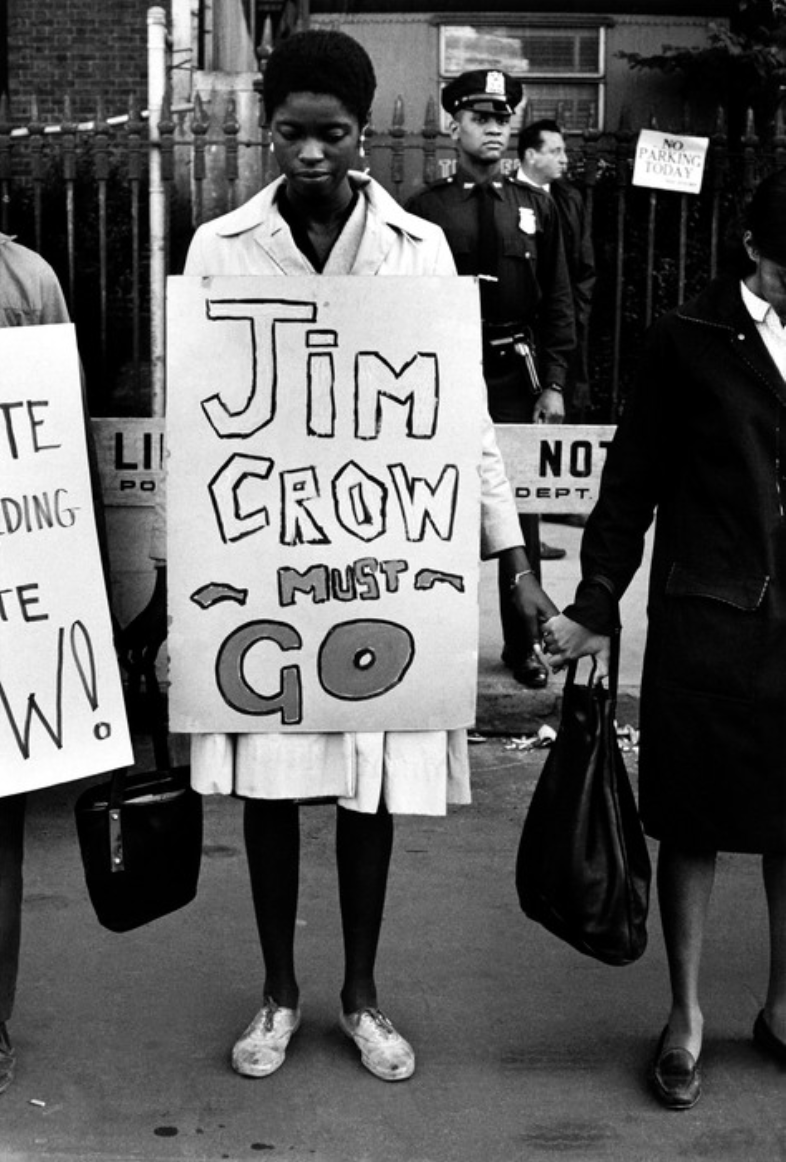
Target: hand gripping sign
[(61, 703), (323, 498)]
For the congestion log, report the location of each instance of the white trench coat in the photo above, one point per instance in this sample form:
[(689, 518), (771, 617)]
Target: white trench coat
[(413, 772)]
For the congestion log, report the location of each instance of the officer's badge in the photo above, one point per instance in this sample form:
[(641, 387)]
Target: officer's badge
[(495, 84), (528, 223)]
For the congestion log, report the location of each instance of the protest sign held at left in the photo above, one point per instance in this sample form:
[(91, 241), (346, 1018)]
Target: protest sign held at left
[(61, 705)]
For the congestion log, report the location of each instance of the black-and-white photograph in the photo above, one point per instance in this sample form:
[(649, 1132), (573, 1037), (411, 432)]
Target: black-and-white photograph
[(392, 670)]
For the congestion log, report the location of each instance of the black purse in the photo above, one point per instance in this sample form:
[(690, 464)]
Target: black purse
[(140, 835), (583, 869)]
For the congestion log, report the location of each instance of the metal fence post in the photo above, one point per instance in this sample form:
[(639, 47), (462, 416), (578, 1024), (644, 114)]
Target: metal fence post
[(156, 89)]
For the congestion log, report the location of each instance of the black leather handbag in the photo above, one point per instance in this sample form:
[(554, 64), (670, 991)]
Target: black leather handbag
[(583, 869), (140, 835)]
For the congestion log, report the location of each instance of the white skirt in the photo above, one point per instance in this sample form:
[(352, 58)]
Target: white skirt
[(412, 772)]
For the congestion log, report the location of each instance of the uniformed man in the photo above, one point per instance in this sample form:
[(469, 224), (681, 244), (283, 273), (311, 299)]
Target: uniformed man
[(508, 234)]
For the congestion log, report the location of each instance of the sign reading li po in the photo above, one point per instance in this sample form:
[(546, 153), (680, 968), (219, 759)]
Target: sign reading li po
[(61, 704), (131, 456), (324, 437)]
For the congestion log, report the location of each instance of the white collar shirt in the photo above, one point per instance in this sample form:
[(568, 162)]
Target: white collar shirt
[(522, 177), (769, 326)]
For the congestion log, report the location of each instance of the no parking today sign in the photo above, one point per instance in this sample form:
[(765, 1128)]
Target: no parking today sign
[(670, 161)]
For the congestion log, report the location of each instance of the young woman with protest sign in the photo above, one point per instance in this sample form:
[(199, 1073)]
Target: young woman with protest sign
[(323, 217)]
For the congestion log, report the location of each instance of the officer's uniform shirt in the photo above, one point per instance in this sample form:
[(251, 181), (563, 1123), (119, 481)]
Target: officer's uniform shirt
[(533, 288)]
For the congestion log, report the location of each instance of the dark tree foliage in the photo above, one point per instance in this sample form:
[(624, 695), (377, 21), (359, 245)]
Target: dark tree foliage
[(742, 67)]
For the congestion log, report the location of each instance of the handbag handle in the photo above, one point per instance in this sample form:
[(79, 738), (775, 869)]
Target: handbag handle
[(158, 733), (153, 705), (614, 670)]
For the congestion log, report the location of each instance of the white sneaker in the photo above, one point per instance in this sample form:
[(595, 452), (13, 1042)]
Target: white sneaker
[(261, 1049), (382, 1050)]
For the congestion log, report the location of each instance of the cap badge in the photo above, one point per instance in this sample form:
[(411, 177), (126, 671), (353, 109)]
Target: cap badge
[(528, 223), (495, 84)]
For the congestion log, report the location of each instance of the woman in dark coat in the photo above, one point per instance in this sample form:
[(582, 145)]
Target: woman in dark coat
[(703, 441)]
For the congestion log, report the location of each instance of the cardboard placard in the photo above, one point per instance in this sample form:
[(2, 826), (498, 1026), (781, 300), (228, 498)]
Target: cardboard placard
[(324, 437), (62, 715), (670, 161), (554, 468), (131, 455)]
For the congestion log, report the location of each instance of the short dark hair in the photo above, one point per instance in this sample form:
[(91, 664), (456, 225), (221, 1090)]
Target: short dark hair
[(766, 217), (320, 61), (531, 136)]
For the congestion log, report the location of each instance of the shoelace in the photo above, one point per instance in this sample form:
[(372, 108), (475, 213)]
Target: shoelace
[(383, 1023), (270, 1009)]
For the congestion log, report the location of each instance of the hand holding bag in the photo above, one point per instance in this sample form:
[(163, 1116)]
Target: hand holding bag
[(140, 835), (583, 868)]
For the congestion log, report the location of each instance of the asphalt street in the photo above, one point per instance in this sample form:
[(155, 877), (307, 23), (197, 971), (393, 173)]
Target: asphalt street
[(526, 1049)]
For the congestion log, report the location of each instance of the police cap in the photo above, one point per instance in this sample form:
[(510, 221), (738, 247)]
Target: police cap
[(483, 91)]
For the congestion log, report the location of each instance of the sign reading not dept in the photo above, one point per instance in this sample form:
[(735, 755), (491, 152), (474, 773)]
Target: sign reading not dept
[(554, 468)]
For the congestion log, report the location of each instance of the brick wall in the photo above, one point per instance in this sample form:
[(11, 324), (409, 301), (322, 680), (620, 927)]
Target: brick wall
[(83, 47)]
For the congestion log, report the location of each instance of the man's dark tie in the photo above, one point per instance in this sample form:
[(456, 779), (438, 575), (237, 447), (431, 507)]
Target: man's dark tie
[(487, 260)]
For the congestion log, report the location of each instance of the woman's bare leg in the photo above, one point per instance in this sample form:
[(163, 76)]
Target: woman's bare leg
[(685, 881)]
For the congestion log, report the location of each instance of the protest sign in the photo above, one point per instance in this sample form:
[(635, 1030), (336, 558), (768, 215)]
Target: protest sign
[(554, 468), (670, 161), (324, 437), (61, 704)]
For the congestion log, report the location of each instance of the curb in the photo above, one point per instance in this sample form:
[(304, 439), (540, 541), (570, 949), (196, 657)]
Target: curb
[(505, 708)]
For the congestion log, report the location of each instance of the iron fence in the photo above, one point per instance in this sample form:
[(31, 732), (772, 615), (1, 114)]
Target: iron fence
[(78, 193)]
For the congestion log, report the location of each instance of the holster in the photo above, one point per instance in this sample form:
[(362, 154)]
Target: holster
[(506, 344)]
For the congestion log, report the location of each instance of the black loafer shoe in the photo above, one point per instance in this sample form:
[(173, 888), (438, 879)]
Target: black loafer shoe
[(530, 671), (767, 1041), (675, 1076), (7, 1059), (551, 552)]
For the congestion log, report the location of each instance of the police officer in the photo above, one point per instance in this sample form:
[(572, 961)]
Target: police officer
[(508, 234)]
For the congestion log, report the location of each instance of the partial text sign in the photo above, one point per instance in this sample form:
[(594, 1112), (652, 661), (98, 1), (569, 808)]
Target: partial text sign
[(554, 468), (131, 454), (61, 704)]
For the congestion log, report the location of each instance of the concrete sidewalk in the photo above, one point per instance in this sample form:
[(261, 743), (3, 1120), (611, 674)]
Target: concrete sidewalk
[(505, 707), (527, 1050)]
